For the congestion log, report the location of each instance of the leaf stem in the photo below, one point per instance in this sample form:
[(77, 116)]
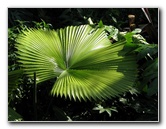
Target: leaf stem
[(35, 97)]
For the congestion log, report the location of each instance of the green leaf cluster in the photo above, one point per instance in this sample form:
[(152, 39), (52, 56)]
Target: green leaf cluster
[(147, 58), (102, 109)]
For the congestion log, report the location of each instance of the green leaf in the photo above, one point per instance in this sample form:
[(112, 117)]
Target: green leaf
[(129, 46), (13, 80), (146, 50), (100, 24), (137, 38), (112, 32), (153, 88), (114, 19), (13, 115), (151, 69), (86, 64), (90, 21), (128, 37)]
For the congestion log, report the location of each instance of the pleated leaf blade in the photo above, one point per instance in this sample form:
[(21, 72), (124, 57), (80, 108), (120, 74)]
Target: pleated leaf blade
[(86, 64)]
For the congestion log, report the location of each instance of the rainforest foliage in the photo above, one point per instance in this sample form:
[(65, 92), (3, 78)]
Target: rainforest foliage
[(83, 64)]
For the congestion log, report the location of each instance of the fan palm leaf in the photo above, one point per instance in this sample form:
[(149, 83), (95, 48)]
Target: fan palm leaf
[(86, 64)]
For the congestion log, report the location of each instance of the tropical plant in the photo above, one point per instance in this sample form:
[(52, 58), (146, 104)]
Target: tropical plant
[(13, 78), (146, 102), (139, 104), (86, 64)]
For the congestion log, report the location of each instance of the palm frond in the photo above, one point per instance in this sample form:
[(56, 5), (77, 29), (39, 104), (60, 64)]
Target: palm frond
[(86, 64)]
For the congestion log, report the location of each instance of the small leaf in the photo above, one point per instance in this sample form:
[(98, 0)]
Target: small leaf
[(137, 30), (103, 109), (100, 24), (114, 19), (90, 21), (123, 100)]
